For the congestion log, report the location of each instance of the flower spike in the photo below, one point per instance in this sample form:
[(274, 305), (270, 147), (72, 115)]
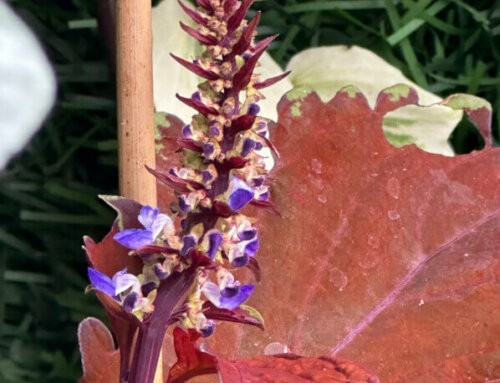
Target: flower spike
[(185, 277)]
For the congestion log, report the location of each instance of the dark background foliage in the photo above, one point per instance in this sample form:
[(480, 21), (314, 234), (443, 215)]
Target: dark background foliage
[(48, 193)]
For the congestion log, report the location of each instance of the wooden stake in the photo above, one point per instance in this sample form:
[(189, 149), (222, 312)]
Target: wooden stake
[(134, 73)]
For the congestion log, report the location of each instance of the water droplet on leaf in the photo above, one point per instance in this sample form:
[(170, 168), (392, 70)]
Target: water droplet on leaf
[(369, 261), (316, 166), (393, 215), (322, 198), (373, 241), (338, 278), (276, 348), (393, 187)]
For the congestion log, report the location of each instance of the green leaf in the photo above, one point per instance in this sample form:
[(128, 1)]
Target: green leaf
[(328, 69)]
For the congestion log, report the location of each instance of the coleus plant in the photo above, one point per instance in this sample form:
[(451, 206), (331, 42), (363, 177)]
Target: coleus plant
[(384, 255)]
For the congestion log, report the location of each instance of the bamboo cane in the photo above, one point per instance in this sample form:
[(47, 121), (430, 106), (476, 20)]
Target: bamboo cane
[(135, 100), (134, 71)]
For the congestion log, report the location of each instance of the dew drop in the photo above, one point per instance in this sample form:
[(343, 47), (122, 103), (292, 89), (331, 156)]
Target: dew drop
[(421, 303), (369, 261), (316, 166), (322, 198), (373, 241), (338, 278), (276, 348), (393, 187), (393, 215)]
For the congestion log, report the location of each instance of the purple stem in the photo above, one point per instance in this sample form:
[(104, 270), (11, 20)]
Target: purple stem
[(151, 333)]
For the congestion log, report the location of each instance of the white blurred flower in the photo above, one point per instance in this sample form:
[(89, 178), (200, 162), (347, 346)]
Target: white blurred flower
[(27, 84)]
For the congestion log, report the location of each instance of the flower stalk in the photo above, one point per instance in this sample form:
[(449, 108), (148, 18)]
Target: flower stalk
[(187, 258)]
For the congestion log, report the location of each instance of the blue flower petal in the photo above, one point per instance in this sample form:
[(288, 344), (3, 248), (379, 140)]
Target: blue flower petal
[(124, 281), (230, 291), (189, 241), (251, 248), (215, 239), (207, 329), (254, 109), (129, 302), (248, 234), (239, 198), (238, 299), (212, 292), (240, 261), (101, 282), (159, 223), (134, 238), (187, 132), (241, 194), (248, 146), (147, 216)]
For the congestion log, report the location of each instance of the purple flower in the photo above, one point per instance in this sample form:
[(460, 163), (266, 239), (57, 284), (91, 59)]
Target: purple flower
[(254, 109), (251, 248), (187, 131), (208, 149), (215, 239), (207, 328), (214, 295), (101, 282), (196, 96), (130, 301), (244, 251), (207, 176), (183, 204), (153, 223), (121, 282), (188, 241), (247, 234), (241, 194), (248, 146), (214, 131)]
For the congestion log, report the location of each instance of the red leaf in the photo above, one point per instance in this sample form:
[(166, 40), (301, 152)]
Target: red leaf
[(100, 359), (190, 360), (108, 256), (387, 256), (290, 368), (284, 368)]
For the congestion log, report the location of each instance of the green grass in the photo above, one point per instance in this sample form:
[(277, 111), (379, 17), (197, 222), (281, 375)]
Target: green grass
[(48, 194)]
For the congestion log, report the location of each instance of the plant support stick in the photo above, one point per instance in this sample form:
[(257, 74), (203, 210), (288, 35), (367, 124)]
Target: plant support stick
[(134, 77), (134, 73)]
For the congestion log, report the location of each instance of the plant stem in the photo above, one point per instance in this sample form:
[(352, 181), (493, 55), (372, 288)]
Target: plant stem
[(149, 343)]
